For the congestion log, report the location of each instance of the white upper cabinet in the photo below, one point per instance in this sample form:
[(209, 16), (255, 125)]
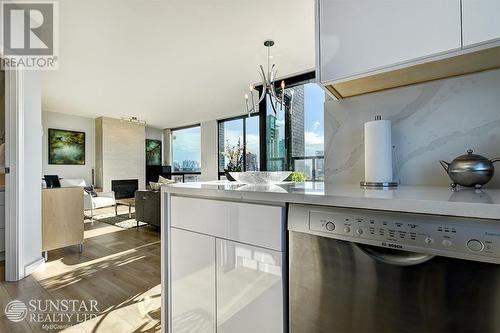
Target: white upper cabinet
[(359, 36), (480, 21)]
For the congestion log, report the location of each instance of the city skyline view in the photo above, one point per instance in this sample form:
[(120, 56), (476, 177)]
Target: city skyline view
[(186, 143), (186, 149)]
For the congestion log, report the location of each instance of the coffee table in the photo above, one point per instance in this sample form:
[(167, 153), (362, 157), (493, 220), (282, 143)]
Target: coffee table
[(130, 202)]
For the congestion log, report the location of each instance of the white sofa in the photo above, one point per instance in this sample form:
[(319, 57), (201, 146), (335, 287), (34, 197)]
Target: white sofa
[(103, 199)]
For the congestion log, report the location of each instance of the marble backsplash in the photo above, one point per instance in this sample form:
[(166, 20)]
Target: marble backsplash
[(430, 121)]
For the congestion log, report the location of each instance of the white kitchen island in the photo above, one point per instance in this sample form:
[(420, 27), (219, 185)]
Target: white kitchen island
[(226, 265), (224, 251)]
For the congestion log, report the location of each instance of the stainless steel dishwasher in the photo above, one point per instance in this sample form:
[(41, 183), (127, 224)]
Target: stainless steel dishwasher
[(370, 271)]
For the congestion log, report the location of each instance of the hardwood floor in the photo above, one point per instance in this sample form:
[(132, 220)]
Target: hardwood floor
[(119, 268)]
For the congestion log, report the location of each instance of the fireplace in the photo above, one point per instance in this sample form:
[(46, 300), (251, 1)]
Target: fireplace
[(124, 188)]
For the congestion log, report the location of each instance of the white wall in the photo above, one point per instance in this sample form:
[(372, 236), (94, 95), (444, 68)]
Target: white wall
[(31, 223), (431, 121), (154, 133), (73, 123), (209, 151)]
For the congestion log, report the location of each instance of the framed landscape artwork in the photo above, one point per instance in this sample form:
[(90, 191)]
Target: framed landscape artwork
[(66, 147), (153, 152)]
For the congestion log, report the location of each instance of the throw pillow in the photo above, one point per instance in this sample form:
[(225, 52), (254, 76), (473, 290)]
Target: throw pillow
[(154, 186), (91, 190), (163, 180)]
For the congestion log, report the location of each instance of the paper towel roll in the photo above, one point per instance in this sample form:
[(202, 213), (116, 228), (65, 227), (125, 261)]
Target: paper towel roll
[(378, 151)]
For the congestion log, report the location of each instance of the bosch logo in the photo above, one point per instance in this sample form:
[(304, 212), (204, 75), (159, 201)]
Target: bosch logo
[(391, 245)]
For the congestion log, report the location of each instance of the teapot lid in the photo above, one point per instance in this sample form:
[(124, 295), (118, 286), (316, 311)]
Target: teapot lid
[(471, 157)]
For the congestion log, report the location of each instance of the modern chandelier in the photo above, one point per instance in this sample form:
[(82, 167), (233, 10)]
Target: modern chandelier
[(268, 87)]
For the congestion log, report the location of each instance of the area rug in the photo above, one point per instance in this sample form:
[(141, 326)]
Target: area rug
[(122, 220)]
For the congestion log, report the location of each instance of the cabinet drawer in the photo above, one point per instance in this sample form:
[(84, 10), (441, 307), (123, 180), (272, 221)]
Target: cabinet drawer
[(253, 224)]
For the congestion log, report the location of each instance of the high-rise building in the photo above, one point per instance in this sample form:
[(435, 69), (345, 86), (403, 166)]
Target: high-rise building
[(297, 122), (252, 162)]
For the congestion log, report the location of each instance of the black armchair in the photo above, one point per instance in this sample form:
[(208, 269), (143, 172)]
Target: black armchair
[(147, 207)]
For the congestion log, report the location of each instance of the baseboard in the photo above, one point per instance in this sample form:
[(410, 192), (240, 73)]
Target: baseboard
[(30, 268)]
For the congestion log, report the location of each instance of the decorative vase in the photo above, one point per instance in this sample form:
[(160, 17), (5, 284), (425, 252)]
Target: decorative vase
[(228, 176)]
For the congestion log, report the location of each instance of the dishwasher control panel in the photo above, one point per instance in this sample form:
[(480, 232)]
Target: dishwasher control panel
[(410, 231)]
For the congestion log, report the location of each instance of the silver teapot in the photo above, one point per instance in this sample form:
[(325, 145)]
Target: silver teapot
[(470, 170)]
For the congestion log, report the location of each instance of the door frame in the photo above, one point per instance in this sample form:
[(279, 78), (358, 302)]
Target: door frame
[(14, 159)]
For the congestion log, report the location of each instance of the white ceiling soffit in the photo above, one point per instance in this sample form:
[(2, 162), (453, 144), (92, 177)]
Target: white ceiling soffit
[(172, 63)]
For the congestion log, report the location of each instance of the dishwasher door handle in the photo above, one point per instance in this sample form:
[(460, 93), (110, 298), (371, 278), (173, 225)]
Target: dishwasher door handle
[(394, 257)]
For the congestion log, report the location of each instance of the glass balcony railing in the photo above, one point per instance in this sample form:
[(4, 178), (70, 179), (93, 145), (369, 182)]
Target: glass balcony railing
[(312, 166), (186, 177)]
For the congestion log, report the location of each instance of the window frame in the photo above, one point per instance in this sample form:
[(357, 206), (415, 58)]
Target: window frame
[(183, 173), (243, 118), (290, 82)]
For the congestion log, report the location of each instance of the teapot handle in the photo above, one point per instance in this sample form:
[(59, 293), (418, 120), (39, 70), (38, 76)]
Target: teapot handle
[(495, 160)]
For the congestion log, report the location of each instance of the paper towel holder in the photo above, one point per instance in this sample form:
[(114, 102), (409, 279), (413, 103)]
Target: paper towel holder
[(380, 185)]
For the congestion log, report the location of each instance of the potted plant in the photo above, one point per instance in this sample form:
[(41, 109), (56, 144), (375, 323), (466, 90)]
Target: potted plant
[(234, 155), (297, 177)]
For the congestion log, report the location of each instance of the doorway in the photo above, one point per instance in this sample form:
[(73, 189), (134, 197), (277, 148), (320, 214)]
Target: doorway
[(2, 175)]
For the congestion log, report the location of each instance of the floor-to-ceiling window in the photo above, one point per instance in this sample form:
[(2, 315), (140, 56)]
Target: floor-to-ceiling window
[(186, 154), (283, 137), (307, 131), (239, 144), (276, 140), (295, 130)]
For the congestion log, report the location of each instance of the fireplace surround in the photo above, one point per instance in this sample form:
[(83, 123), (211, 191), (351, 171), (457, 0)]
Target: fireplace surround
[(124, 188)]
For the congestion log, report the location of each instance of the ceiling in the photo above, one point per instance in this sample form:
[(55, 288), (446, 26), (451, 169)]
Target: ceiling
[(172, 63)]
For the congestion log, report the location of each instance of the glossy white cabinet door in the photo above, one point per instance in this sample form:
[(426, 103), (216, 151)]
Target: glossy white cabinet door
[(481, 21), (249, 289), (193, 282), (358, 36)]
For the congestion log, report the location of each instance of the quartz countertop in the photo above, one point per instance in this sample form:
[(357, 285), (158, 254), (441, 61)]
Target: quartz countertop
[(415, 199)]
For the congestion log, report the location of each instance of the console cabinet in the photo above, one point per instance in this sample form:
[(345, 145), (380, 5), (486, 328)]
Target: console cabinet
[(62, 217)]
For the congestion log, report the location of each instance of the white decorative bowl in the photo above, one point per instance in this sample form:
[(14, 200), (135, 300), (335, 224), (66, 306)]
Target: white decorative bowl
[(268, 188), (260, 177)]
